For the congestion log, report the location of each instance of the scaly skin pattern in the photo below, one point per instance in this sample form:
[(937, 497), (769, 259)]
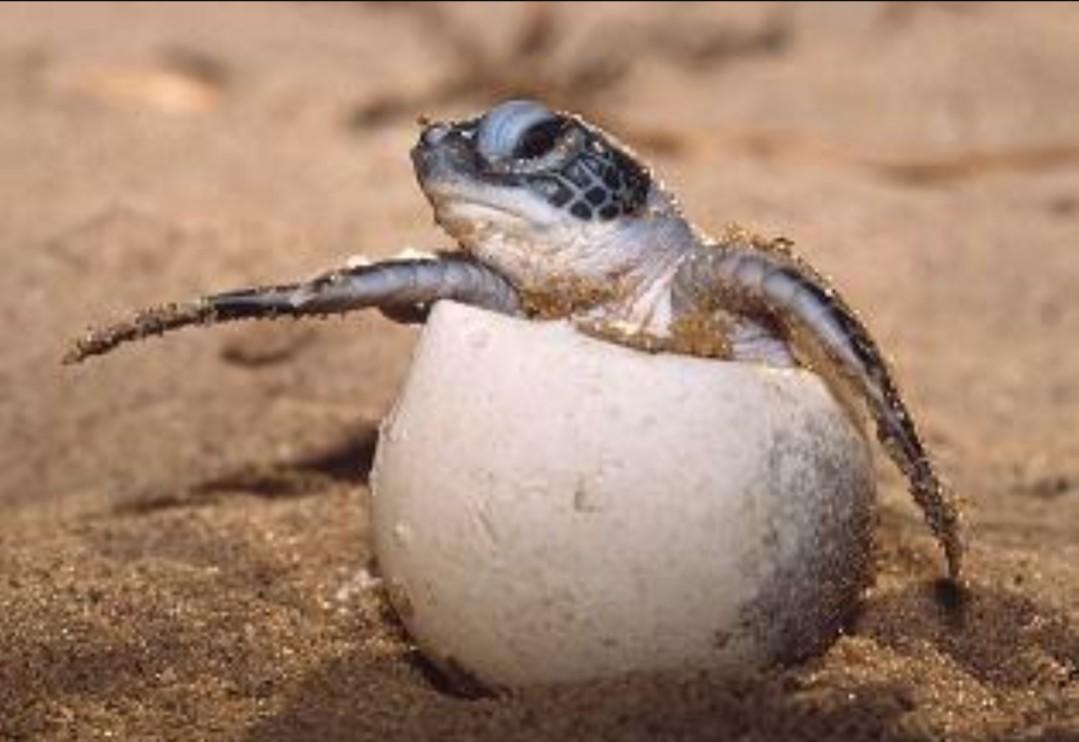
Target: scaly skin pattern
[(555, 219)]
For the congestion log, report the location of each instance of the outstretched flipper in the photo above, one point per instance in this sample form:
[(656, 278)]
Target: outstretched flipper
[(402, 289), (765, 279)]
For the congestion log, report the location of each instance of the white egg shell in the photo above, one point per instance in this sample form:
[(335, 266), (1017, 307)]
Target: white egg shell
[(549, 507)]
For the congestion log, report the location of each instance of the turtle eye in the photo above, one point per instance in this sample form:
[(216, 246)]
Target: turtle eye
[(502, 132), (539, 139)]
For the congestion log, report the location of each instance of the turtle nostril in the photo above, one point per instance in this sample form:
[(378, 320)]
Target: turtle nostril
[(434, 134)]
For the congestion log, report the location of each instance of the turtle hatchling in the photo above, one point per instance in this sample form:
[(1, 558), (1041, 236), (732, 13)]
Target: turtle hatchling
[(556, 219)]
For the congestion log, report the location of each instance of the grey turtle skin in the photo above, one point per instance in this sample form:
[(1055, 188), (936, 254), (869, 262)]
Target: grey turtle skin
[(557, 219)]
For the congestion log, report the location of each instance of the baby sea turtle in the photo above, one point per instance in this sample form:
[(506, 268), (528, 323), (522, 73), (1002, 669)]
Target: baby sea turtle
[(557, 219)]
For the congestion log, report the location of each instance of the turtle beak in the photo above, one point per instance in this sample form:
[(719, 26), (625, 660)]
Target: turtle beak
[(443, 153), (425, 155)]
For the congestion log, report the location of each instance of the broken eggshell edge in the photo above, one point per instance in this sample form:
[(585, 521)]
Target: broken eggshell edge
[(552, 508)]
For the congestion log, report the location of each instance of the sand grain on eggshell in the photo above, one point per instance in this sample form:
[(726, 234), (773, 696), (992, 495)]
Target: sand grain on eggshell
[(184, 547)]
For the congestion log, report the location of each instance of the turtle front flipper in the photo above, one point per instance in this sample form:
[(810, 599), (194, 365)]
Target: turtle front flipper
[(402, 289), (765, 279)]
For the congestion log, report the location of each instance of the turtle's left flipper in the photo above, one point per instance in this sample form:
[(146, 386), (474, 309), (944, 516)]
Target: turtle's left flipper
[(400, 288), (765, 279)]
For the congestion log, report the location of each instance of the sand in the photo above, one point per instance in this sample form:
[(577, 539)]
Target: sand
[(184, 546)]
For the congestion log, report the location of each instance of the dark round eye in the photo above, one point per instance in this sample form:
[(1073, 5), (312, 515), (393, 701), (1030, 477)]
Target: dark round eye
[(516, 129), (539, 139)]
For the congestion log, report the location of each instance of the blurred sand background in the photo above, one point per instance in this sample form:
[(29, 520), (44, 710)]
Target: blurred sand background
[(184, 530)]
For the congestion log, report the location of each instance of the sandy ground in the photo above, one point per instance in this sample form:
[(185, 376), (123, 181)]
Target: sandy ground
[(185, 523)]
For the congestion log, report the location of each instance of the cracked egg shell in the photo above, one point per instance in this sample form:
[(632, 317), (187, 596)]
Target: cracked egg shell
[(550, 508)]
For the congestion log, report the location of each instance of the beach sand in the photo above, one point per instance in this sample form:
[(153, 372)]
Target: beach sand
[(184, 545)]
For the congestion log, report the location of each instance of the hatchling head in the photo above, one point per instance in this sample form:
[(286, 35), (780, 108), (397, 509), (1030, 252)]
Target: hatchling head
[(539, 194)]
